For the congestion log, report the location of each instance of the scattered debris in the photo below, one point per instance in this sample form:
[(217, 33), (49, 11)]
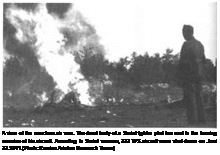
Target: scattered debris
[(130, 126), (148, 86), (10, 120), (152, 100), (163, 85), (25, 124), (209, 88), (9, 93), (114, 100), (108, 112), (32, 123), (169, 100)]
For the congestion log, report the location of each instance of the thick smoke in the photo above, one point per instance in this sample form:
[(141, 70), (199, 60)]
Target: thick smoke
[(79, 33), (58, 8), (14, 47), (27, 6), (43, 41)]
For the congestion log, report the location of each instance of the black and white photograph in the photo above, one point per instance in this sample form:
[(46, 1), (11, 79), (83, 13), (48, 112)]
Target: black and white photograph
[(110, 64)]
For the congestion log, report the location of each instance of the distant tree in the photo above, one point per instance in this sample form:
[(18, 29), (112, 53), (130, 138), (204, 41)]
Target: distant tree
[(146, 69), (137, 70), (157, 73), (122, 72), (210, 71), (22, 85), (169, 65), (92, 65), (14, 73)]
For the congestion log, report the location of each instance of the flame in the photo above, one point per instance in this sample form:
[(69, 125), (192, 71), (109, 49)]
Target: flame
[(41, 98), (6, 56), (55, 49)]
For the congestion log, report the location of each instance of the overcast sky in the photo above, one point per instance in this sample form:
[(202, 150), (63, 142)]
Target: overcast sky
[(136, 25)]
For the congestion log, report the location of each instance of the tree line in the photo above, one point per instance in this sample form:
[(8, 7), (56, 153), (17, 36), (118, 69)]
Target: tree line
[(138, 70), (135, 71)]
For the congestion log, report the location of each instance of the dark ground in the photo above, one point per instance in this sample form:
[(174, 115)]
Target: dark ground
[(151, 115)]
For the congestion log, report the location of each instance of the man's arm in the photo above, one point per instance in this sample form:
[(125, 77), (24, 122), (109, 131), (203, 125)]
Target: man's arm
[(182, 54), (203, 55), (200, 60), (180, 66)]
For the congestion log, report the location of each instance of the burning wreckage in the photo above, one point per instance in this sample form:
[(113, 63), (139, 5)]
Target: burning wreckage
[(46, 41)]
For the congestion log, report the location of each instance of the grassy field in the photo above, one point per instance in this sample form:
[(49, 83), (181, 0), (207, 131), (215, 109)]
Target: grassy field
[(105, 116), (141, 110)]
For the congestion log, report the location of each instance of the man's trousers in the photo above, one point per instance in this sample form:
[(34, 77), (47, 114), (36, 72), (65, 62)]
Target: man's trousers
[(192, 93)]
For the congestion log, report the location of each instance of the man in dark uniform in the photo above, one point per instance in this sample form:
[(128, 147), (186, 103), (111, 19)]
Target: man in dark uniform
[(190, 73)]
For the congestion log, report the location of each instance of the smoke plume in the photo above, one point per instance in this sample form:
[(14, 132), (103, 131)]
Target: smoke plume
[(43, 40)]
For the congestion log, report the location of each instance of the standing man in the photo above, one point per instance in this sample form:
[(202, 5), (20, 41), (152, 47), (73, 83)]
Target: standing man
[(190, 70)]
